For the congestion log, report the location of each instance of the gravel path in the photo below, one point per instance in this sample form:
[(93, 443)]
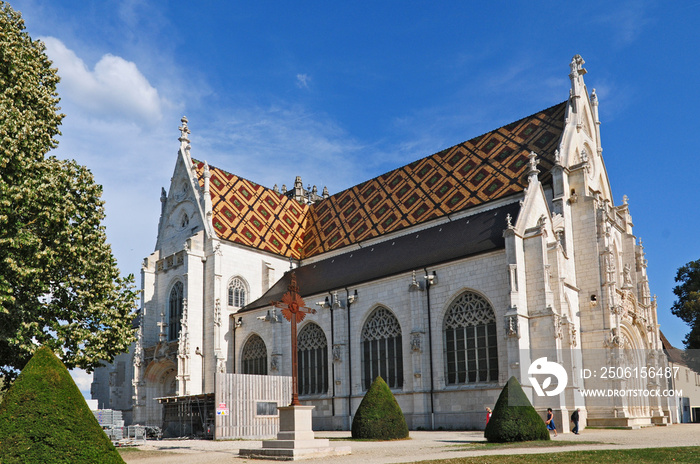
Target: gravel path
[(421, 447)]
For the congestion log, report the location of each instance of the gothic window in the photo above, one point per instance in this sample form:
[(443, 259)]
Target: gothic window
[(381, 349), (237, 293), (312, 354), (175, 311), (255, 356), (471, 353)]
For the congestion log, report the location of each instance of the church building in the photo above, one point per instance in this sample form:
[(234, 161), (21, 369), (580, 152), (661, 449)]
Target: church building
[(445, 277)]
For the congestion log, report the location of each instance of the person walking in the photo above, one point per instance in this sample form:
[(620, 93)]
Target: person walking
[(488, 415), (574, 419), (550, 421)]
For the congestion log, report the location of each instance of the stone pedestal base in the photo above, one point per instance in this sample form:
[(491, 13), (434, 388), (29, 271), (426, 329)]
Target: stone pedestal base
[(295, 439)]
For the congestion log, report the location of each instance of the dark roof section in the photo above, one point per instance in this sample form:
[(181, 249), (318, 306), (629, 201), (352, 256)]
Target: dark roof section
[(674, 354), (446, 242)]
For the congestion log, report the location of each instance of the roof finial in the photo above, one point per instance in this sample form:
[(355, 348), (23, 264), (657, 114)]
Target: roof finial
[(576, 66), (184, 130), (532, 173)]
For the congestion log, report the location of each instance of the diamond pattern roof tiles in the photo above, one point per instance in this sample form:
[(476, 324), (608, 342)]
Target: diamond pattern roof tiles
[(485, 168)]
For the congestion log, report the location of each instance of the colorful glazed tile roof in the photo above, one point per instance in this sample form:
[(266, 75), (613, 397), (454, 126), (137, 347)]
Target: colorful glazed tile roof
[(485, 168), (253, 215)]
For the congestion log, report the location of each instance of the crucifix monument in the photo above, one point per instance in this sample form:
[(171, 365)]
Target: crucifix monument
[(295, 439)]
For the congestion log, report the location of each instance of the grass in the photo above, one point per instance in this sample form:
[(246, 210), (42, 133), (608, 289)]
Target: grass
[(675, 455), (521, 444)]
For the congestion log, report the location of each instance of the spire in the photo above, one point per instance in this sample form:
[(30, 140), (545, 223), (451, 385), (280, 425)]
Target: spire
[(576, 76)]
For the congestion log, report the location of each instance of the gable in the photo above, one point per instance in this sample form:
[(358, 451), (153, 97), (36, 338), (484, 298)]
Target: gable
[(483, 169)]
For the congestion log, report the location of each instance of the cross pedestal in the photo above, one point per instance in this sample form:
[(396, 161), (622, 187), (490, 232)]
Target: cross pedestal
[(295, 439)]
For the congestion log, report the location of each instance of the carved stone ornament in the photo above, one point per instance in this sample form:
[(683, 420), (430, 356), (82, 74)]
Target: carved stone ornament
[(221, 365), (217, 312), (275, 362), (184, 337), (138, 349), (627, 277), (558, 324), (614, 339), (616, 310), (337, 353), (416, 342), (162, 325), (512, 326), (572, 336)]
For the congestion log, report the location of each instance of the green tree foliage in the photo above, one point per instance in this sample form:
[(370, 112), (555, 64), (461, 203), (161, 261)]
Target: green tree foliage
[(687, 307), (687, 304), (59, 283), (379, 416), (514, 418), (45, 418)]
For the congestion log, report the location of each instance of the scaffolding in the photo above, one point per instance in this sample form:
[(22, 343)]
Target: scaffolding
[(188, 416)]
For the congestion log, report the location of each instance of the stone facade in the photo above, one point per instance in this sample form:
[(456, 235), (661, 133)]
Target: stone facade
[(566, 279)]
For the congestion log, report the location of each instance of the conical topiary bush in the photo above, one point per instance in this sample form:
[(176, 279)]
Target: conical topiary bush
[(44, 418), (514, 418), (379, 416)]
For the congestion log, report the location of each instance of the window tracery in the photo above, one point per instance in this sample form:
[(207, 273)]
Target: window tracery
[(175, 304), (382, 349), (254, 356), (312, 354), (237, 293), (470, 341)]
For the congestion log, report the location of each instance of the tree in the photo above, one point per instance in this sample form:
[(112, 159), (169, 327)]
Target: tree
[(687, 307), (59, 283), (46, 419), (379, 416), (514, 418), (687, 304)]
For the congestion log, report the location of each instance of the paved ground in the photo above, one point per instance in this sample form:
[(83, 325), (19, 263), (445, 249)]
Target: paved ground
[(421, 447)]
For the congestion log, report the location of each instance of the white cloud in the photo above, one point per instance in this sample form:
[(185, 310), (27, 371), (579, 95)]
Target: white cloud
[(303, 81), (115, 87), (83, 380), (627, 21)]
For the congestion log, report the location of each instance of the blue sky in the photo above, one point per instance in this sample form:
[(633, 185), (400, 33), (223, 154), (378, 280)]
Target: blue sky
[(341, 92)]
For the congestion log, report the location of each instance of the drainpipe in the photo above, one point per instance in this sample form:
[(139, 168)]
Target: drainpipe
[(347, 299), (236, 324), (428, 284), (332, 361)]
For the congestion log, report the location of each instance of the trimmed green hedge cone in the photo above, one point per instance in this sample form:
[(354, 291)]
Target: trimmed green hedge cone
[(44, 418), (514, 418), (379, 416)]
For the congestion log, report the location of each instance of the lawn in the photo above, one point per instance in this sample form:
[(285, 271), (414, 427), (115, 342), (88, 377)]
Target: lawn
[(690, 454), (521, 444)]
